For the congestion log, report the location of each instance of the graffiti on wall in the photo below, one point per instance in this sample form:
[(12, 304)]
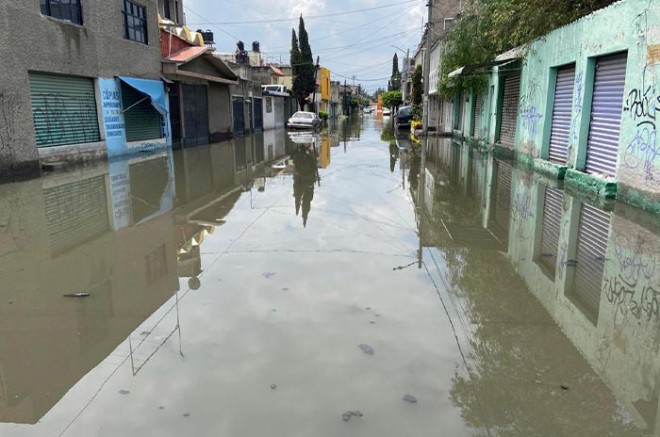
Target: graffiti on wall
[(10, 113), (58, 113), (531, 118), (641, 105), (577, 104)]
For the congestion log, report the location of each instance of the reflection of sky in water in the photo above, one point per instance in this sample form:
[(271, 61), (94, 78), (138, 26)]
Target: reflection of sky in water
[(484, 336)]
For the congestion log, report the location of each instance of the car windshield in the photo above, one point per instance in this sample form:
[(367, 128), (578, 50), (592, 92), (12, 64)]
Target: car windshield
[(303, 115), (404, 112)]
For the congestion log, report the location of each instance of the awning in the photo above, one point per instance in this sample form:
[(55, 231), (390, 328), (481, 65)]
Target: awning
[(152, 88), (470, 68)]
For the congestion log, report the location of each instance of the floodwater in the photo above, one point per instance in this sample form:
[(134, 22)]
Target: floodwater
[(342, 284)]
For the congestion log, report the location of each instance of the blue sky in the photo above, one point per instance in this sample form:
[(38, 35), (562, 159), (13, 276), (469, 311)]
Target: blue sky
[(351, 42)]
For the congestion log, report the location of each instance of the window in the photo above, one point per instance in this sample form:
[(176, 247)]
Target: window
[(135, 22), (269, 105), (69, 10), (166, 10)]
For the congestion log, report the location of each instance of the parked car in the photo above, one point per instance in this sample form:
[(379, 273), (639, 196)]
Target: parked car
[(368, 110), (386, 112), (403, 117), (304, 120)]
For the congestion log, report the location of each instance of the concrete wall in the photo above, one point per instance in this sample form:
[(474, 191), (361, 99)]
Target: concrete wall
[(35, 42)]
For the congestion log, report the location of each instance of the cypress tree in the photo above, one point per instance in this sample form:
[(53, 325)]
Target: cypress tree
[(306, 69), (295, 64), (395, 79)]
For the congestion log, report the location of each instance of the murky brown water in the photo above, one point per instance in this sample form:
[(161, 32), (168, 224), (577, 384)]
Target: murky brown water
[(267, 286)]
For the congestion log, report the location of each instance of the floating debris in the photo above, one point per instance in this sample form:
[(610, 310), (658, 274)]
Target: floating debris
[(372, 322), (145, 333), (273, 386), (161, 407), (186, 414), (410, 399), (81, 294), (367, 349), (268, 275), (352, 413), (124, 392), (564, 387), (367, 308), (285, 289)]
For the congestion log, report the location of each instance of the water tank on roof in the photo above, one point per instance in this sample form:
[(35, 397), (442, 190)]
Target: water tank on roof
[(255, 46), (208, 36), (240, 46)]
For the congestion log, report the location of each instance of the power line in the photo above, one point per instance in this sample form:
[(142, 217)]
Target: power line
[(335, 14), (208, 22)]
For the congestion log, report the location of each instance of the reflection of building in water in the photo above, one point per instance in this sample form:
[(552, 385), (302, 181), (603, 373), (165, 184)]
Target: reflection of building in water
[(50, 341), (522, 256)]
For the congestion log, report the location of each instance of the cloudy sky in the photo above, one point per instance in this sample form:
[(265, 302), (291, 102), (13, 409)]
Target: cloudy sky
[(352, 37)]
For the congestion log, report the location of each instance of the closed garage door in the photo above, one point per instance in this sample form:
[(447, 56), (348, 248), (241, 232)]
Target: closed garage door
[(476, 118), (195, 114), (63, 110), (606, 108), (239, 115), (561, 114), (509, 113)]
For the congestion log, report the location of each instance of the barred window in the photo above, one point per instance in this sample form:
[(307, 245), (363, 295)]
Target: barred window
[(135, 22), (69, 10)]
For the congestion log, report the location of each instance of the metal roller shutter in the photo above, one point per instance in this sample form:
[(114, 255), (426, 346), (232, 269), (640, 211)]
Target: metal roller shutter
[(476, 115), (63, 110), (606, 108), (552, 211), (510, 100), (258, 114), (141, 120), (503, 198), (561, 114), (76, 213), (195, 114), (239, 116), (591, 248)]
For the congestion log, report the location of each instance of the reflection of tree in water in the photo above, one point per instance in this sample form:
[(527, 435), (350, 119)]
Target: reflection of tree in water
[(304, 177)]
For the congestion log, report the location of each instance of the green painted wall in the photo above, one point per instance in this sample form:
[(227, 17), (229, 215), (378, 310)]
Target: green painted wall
[(630, 25)]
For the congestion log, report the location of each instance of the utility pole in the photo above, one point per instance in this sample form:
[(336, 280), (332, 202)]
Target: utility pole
[(345, 101)]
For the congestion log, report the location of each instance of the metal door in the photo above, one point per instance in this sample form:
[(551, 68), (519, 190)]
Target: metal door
[(606, 108), (552, 211), (63, 110), (591, 247), (195, 115), (141, 120), (239, 116), (561, 114), (258, 114), (509, 112), (476, 116)]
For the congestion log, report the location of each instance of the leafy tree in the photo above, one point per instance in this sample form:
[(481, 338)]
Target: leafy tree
[(395, 79), (418, 86), (392, 99), (303, 69), (490, 27)]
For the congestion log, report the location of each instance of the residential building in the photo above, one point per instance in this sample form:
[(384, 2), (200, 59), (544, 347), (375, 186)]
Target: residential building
[(88, 87), (579, 104)]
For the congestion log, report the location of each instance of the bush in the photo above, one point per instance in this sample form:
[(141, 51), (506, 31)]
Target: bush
[(323, 115)]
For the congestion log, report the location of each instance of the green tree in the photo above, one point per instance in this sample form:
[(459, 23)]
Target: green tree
[(490, 27), (395, 79), (303, 69), (418, 86), (392, 99), (295, 62)]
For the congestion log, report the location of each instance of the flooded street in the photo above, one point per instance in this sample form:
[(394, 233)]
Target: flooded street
[(327, 285)]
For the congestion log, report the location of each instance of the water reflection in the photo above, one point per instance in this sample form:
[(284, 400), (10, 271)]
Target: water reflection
[(519, 255), (122, 234), (305, 172)]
